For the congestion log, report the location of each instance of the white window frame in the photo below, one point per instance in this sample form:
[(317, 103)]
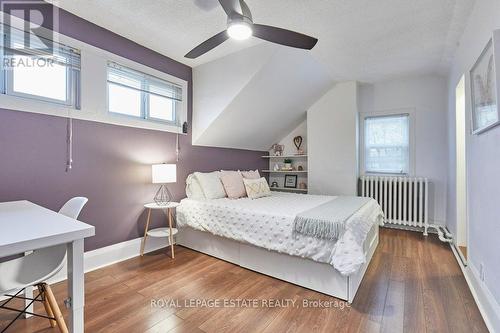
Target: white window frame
[(411, 137), (72, 85), (72, 89), (145, 100), (93, 90)]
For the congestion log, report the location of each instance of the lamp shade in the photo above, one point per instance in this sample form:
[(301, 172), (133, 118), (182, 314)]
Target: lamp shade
[(164, 173)]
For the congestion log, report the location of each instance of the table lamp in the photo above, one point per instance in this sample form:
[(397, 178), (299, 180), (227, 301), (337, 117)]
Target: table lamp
[(163, 174)]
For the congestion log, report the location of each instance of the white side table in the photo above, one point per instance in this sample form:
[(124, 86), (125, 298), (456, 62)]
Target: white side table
[(160, 232)]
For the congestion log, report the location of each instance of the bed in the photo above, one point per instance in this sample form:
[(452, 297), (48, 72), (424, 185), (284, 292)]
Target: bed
[(259, 234)]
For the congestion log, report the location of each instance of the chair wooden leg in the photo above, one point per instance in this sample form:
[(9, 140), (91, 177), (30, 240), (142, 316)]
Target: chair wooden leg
[(47, 307), (55, 308)]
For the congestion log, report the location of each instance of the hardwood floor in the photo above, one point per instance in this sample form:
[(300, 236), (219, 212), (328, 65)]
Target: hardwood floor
[(413, 284), (463, 249)]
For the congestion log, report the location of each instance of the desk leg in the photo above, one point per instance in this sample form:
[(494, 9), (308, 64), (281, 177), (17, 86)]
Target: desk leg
[(76, 285), (28, 293)]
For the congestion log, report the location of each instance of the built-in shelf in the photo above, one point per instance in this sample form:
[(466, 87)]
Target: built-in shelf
[(279, 176), (288, 156), (289, 189), (283, 171)]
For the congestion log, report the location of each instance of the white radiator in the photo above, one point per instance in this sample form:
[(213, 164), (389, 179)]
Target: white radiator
[(404, 200)]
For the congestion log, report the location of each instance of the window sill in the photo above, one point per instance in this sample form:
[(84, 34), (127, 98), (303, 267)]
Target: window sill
[(22, 104)]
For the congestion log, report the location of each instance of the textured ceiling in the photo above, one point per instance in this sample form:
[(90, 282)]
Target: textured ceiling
[(365, 40)]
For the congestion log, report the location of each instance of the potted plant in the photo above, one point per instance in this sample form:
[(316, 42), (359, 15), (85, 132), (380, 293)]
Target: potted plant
[(288, 164)]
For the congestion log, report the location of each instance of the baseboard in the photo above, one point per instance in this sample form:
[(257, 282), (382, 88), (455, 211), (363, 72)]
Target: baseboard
[(112, 254), (488, 306), (407, 228)]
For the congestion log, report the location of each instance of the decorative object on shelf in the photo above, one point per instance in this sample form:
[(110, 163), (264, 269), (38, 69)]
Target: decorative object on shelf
[(484, 88), (276, 167), (288, 165), (297, 141), (290, 181), (302, 186), (300, 168), (163, 174), (274, 184), (278, 149)]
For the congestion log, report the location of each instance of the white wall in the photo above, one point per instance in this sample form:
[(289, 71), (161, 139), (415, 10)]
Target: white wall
[(287, 141), (483, 161), (215, 84), (425, 98), (251, 109), (332, 141)]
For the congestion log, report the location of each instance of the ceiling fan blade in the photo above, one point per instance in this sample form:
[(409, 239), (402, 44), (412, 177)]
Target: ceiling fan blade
[(245, 10), (284, 37), (232, 7), (207, 45)]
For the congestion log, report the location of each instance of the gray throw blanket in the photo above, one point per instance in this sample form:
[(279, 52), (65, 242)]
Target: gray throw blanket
[(328, 220)]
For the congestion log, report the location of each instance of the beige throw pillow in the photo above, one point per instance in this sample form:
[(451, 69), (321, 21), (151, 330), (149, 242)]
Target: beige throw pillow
[(233, 184), (251, 174), (257, 188)]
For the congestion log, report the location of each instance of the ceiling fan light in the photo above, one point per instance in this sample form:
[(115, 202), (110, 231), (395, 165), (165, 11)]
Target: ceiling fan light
[(239, 30)]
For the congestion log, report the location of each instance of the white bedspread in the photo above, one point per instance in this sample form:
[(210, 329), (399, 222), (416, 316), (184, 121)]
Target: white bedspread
[(268, 223)]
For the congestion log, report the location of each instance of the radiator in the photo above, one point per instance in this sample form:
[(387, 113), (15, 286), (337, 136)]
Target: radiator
[(404, 200)]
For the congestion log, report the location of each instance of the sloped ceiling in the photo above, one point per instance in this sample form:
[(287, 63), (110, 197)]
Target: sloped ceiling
[(254, 97)]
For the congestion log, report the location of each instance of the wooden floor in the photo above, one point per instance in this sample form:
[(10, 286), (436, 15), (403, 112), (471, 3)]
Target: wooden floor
[(463, 249), (413, 284)]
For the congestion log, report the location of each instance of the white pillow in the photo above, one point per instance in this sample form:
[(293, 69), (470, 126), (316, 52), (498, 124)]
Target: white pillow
[(257, 188), (211, 184), (193, 188)]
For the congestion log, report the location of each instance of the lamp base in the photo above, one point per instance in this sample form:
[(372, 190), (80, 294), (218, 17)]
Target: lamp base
[(163, 196)]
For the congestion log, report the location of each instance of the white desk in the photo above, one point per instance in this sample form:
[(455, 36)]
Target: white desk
[(25, 226)]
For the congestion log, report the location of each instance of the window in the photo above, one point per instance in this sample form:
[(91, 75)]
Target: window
[(135, 94), (48, 73), (46, 78), (386, 144)]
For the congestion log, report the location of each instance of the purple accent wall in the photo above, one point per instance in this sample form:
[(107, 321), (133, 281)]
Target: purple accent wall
[(112, 164)]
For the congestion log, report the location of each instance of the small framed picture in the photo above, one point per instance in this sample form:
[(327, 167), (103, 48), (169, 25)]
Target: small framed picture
[(290, 181), (484, 89)]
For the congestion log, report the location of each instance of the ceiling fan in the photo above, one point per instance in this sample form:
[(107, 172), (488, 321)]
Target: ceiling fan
[(240, 26)]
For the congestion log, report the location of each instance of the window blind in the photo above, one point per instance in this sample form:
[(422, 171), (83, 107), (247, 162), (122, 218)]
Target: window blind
[(132, 79), (17, 42), (387, 144)]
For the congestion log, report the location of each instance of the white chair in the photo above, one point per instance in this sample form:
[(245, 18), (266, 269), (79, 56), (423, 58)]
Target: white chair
[(36, 268)]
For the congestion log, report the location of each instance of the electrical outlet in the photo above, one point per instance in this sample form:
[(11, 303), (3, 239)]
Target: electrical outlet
[(481, 271)]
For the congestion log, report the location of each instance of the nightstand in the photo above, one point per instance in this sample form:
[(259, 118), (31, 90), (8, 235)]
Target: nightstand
[(168, 232)]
